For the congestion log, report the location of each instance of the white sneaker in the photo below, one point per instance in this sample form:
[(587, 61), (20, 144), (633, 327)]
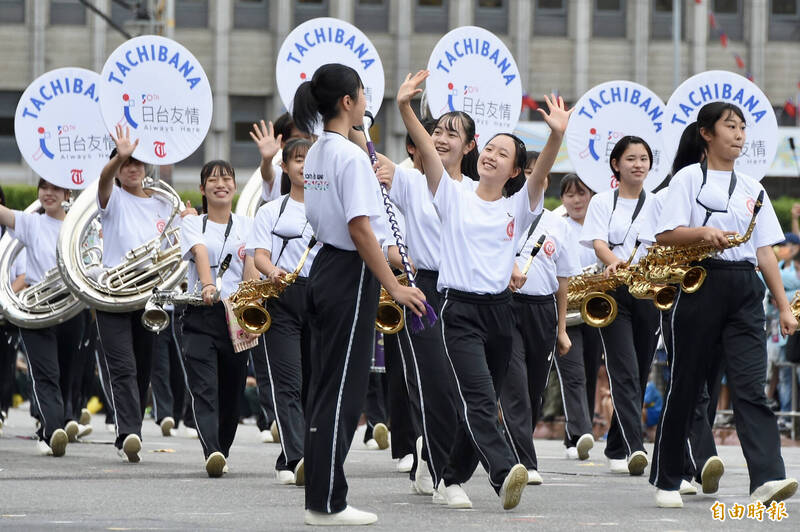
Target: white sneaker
[(423, 482), (111, 428), (72, 429), (571, 453), (131, 446), (687, 488), (300, 473), (405, 464), (454, 496), (711, 473), (774, 490), (167, 424), (618, 465), (637, 462), (173, 432), (347, 517), (215, 464), (84, 430), (266, 436), (189, 432), (86, 417), (276, 434), (511, 490), (225, 469), (534, 478), (284, 477), (58, 442), (585, 443), (381, 435), (372, 445), (43, 448), (668, 499), (437, 497)]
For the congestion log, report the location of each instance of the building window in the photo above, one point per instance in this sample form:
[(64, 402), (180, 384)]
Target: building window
[(251, 14), (729, 18), (609, 18), (8, 146), (12, 11), (372, 15), (245, 110), (492, 15), (550, 18), (784, 20), (661, 20), (67, 12), (430, 16), (307, 9), (191, 13)]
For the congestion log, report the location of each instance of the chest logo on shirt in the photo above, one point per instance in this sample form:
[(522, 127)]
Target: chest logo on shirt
[(549, 248), (241, 252), (160, 225), (751, 203), (510, 229)]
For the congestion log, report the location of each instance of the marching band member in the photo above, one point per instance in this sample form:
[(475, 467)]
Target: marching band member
[(130, 218), (540, 334), (708, 201), (270, 139), (476, 319), (281, 234), (612, 226), (53, 351), (215, 373), (345, 211), (577, 369)]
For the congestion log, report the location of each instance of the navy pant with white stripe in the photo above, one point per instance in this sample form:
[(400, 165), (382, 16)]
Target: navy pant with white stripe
[(534, 341), (477, 331), (726, 311), (342, 304), (167, 381), (285, 346), (629, 343), (572, 377)]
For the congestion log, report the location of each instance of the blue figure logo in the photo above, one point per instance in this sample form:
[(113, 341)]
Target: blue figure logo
[(42, 146), (592, 140), (127, 110)]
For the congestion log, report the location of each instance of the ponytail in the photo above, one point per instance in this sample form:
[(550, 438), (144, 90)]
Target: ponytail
[(321, 95), (693, 147)]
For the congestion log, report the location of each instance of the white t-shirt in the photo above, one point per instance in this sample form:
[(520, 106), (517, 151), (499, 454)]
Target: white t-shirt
[(413, 198), (554, 259), (585, 256), (39, 234), (477, 243), (340, 185), (270, 228), (130, 221), (684, 210), (647, 231), (213, 240), (19, 266), (610, 225), (273, 191)]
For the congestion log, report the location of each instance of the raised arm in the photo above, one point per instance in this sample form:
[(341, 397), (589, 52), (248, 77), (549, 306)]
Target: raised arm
[(124, 150), (423, 141), (557, 119), (6, 217), (268, 145)]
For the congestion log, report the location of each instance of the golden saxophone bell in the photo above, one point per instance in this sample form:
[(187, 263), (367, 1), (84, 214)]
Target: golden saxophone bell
[(390, 318), (664, 297), (598, 309), (693, 279), (253, 318)]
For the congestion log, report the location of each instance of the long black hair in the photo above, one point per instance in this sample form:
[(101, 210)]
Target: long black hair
[(321, 95), (622, 145), (693, 147), (208, 169), (449, 122), (289, 150)]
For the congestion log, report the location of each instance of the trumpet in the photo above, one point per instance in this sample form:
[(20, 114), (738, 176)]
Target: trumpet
[(390, 318), (248, 301)]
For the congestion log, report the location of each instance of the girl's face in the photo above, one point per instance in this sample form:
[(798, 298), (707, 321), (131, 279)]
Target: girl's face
[(633, 166), (219, 187), (51, 196), (576, 201), (357, 109), (450, 141), (294, 167), (496, 161), (728, 138), (131, 173)]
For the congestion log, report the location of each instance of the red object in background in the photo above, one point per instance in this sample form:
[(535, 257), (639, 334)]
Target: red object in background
[(790, 108), (528, 102), (739, 60), (712, 20), (723, 38)]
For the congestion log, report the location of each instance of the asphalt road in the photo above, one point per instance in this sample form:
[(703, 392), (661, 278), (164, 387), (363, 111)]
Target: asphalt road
[(91, 488)]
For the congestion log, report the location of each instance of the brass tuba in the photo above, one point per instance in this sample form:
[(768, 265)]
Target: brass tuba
[(44, 304), (390, 318), (129, 285)]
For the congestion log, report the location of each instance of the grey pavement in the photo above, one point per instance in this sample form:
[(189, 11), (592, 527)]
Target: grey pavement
[(91, 488)]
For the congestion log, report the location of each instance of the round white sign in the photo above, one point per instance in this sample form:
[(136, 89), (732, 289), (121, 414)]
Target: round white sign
[(158, 89), (59, 129), (324, 40), (603, 115), (761, 134), (473, 71)]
